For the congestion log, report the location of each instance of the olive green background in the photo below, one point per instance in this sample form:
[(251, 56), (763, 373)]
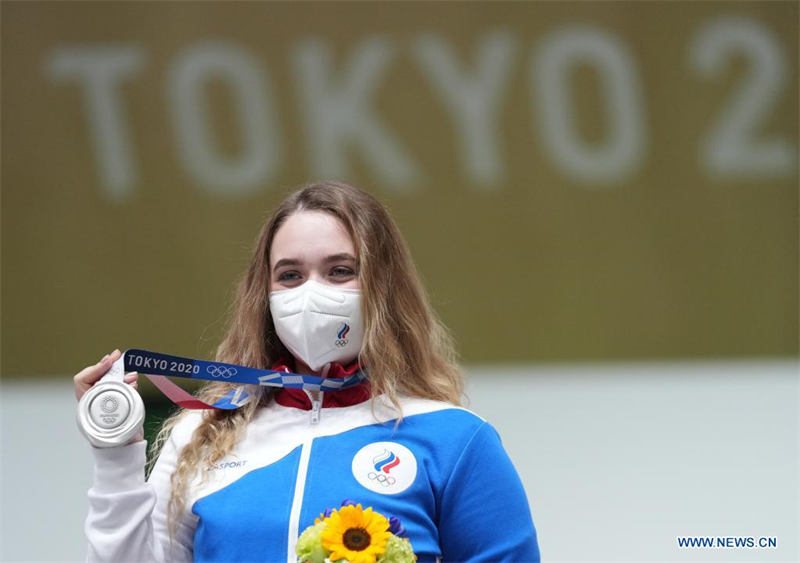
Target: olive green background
[(670, 262)]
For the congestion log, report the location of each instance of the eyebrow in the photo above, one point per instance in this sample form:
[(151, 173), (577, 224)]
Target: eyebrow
[(332, 258)]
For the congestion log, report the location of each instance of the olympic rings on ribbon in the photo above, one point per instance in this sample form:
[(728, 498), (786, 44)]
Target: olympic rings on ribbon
[(221, 371)]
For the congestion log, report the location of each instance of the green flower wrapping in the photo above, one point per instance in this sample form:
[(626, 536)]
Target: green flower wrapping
[(398, 550), (309, 544)]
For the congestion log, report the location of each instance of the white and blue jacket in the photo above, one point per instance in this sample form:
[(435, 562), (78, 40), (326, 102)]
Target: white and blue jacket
[(442, 471)]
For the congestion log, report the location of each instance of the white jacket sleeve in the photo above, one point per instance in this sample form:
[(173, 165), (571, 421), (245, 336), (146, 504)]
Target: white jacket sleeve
[(127, 520)]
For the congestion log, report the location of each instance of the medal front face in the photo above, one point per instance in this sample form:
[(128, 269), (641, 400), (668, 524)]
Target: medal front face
[(110, 414), (387, 468)]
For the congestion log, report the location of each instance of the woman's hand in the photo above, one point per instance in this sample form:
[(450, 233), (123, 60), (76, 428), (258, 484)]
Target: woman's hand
[(86, 378), (92, 374)]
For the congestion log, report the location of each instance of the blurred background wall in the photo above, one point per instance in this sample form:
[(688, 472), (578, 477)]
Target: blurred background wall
[(602, 199)]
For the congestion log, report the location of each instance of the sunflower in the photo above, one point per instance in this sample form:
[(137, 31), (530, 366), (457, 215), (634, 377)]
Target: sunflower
[(355, 534)]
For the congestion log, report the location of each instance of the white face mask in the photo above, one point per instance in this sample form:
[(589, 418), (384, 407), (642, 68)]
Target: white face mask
[(318, 323)]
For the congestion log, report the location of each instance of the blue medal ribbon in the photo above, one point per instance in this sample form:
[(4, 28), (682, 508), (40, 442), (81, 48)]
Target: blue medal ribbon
[(154, 363)]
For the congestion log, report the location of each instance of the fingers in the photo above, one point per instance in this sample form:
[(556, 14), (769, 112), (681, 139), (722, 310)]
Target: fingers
[(90, 375), (132, 379), (138, 437)]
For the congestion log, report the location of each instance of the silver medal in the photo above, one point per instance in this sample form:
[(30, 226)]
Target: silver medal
[(111, 412)]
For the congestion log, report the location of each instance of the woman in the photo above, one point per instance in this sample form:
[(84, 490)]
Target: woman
[(331, 290)]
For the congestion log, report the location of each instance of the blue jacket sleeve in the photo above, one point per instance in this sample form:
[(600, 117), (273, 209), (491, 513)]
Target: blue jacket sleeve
[(484, 512)]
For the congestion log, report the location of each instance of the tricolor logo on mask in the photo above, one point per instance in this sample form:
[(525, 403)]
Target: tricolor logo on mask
[(341, 335)]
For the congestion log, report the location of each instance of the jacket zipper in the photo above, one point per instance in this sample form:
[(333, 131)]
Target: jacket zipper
[(302, 473), (316, 405)]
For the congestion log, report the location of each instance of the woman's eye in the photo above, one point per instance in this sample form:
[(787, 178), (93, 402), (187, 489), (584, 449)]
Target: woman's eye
[(288, 276), (342, 271)]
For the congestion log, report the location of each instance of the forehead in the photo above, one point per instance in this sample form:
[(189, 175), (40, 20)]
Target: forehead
[(306, 235)]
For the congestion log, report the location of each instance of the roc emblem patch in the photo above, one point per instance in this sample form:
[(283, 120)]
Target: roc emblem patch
[(387, 468)]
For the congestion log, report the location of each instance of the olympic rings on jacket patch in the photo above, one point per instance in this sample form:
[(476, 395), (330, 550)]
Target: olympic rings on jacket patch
[(384, 480)]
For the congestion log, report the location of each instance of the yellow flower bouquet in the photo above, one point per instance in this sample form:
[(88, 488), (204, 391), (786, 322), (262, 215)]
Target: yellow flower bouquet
[(354, 535)]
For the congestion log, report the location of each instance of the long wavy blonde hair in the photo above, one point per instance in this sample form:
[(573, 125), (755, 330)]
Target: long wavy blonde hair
[(406, 349)]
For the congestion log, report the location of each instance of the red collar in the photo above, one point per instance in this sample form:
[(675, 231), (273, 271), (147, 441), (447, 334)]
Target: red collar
[(297, 398)]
